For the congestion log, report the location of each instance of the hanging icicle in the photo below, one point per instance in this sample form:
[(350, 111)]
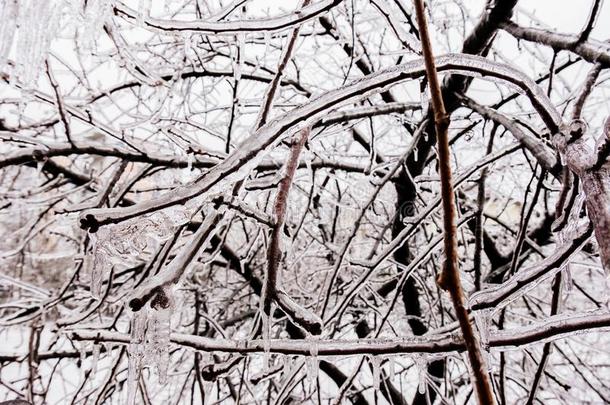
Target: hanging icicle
[(38, 23), (94, 16), (144, 7), (9, 12), (150, 341)]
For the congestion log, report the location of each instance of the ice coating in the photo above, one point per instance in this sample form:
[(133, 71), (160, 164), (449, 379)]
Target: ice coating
[(129, 242)]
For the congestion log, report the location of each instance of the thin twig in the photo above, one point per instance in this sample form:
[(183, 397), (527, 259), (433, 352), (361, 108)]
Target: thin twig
[(60, 104)]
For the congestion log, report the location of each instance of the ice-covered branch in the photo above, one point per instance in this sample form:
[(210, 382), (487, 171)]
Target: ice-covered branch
[(555, 327), (594, 174), (271, 290), (231, 27), (543, 154), (528, 278), (591, 51), (171, 273), (244, 158)]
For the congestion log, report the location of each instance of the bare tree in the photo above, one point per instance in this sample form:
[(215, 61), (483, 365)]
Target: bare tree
[(312, 202)]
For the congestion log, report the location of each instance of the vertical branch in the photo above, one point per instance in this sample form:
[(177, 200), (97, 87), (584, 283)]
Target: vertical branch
[(274, 253), (449, 278)]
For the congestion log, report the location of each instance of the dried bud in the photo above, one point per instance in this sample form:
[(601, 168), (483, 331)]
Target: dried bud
[(577, 129)]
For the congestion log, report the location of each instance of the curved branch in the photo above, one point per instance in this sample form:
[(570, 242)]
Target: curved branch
[(246, 157), (232, 27)]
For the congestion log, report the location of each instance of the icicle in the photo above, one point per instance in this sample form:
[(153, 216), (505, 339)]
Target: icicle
[(376, 371), (188, 46), (239, 60), (136, 351), (190, 157), (40, 165), (95, 16), (98, 266), (9, 11), (312, 362), (312, 370), (267, 39), (568, 282), (143, 11), (158, 341), (38, 24), (421, 364), (82, 354), (95, 358), (391, 367), (482, 320), (266, 332), (425, 96), (207, 391)]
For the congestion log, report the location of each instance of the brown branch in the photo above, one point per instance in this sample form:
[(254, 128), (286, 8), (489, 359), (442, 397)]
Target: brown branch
[(449, 278), (271, 290)]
